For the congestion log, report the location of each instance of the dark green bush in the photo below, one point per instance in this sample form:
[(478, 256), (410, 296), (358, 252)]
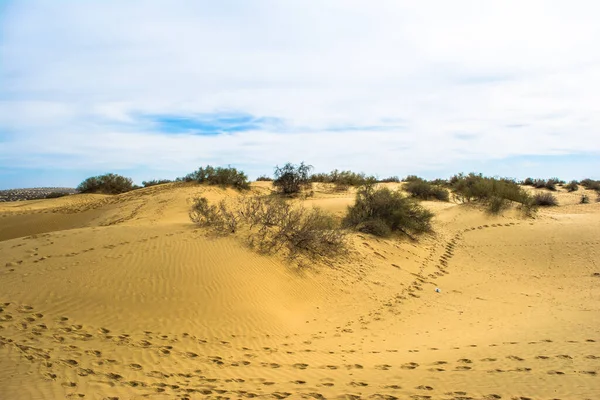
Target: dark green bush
[(264, 178), (375, 227), (411, 178), (400, 214), (155, 182), (572, 186), (424, 190), (219, 176), (56, 195), (545, 200), (390, 179), (342, 180), (591, 184), (528, 182), (291, 179), (107, 184)]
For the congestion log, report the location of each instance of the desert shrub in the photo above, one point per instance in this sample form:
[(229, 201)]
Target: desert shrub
[(591, 184), (528, 182), (291, 179), (374, 227), (218, 218), (155, 182), (219, 176), (571, 186), (390, 179), (342, 180), (551, 184), (495, 193), (439, 182), (399, 213), (274, 225), (497, 205), (424, 190), (410, 178), (55, 195), (264, 178), (545, 199), (585, 199), (107, 184)]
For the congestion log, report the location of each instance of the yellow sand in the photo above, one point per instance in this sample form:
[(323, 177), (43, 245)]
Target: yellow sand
[(122, 297)]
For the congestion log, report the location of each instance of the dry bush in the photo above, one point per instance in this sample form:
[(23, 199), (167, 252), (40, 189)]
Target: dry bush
[(264, 178), (585, 199), (545, 200), (290, 179), (274, 225)]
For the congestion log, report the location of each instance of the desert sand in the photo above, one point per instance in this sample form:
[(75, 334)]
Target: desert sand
[(106, 297)]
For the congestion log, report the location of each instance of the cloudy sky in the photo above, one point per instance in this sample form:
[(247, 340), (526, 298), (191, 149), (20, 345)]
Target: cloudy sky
[(155, 89)]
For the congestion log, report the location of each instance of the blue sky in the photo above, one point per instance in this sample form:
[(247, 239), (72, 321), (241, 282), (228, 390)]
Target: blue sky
[(387, 87)]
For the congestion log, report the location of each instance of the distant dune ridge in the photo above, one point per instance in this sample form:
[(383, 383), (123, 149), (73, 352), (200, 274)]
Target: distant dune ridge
[(122, 296)]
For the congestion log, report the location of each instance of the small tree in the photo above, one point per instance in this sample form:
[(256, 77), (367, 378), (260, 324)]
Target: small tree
[(291, 179), (107, 184)]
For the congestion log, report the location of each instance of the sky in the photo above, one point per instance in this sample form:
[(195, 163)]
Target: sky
[(156, 89)]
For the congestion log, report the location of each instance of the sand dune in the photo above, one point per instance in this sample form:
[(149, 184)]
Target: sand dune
[(122, 297)]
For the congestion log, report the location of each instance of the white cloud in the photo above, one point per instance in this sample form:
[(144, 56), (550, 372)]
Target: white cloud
[(75, 74)]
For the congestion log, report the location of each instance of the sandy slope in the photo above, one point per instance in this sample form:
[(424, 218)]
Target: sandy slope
[(121, 297)]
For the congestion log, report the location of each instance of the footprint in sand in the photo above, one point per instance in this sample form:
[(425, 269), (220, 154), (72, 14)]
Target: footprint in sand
[(300, 366), (410, 365)]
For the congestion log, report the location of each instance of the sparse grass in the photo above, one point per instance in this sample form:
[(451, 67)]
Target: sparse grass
[(545, 200), (496, 193), (155, 182), (274, 225), (107, 184), (424, 190), (218, 176), (375, 207), (292, 179)]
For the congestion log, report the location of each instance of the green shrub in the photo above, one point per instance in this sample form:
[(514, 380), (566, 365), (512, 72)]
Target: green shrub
[(390, 179), (291, 179), (545, 200), (528, 182), (107, 184), (219, 176), (264, 178), (410, 178), (424, 190), (497, 205), (56, 195), (489, 191), (342, 180), (155, 182), (591, 184), (572, 186), (399, 213), (375, 227), (585, 199)]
